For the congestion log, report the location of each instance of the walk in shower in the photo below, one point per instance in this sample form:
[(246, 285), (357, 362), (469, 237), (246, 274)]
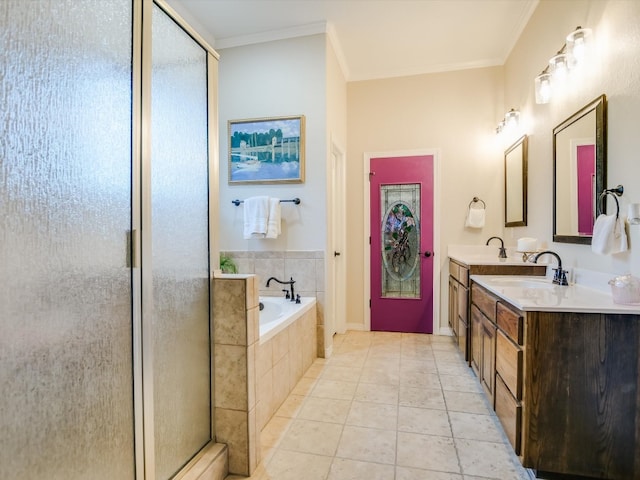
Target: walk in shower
[(109, 124)]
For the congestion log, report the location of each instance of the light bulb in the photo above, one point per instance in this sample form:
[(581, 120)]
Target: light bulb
[(559, 65), (577, 44), (512, 118), (543, 88)]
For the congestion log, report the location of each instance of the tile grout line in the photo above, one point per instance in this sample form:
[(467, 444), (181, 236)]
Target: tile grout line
[(446, 406)]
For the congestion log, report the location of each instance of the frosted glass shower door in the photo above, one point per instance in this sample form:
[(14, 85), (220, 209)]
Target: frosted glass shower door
[(179, 243), (66, 381)]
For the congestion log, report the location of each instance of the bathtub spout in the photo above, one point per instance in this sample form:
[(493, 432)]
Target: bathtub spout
[(290, 283)]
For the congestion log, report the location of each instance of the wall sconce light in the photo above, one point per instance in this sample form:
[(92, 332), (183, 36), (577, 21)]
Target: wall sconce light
[(543, 87), (572, 53), (511, 120), (577, 44), (559, 66)]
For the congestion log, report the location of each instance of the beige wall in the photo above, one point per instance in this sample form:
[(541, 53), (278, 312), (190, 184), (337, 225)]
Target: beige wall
[(614, 71), (457, 113), (336, 139), (279, 78), (454, 112)]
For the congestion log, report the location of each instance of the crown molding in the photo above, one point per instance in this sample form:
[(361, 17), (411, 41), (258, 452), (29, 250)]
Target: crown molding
[(272, 35)]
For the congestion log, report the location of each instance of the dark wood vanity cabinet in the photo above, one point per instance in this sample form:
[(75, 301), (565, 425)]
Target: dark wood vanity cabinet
[(483, 338), (459, 305), (565, 386)]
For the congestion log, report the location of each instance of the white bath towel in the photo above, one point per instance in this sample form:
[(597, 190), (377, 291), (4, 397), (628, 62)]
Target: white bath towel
[(475, 218), (256, 217), (274, 222), (609, 235)]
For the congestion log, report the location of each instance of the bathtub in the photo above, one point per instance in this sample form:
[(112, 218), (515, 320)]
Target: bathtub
[(278, 313)]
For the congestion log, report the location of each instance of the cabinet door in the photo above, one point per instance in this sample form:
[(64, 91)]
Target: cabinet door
[(509, 411), (476, 336), (453, 306), (488, 366), (463, 320), (509, 364)]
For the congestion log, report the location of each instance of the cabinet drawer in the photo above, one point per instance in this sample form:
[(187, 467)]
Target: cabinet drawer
[(509, 411), (459, 272), (484, 300), (463, 275), (453, 269), (511, 322), (509, 364)]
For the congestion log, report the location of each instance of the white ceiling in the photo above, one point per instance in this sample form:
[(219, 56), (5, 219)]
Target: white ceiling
[(372, 38)]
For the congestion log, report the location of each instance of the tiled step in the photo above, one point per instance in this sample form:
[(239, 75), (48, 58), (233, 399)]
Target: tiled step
[(212, 463)]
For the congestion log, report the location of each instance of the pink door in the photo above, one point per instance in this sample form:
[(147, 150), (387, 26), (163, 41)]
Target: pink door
[(401, 196)]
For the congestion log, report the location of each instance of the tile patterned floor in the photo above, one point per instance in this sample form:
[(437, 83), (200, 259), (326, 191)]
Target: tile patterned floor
[(387, 406)]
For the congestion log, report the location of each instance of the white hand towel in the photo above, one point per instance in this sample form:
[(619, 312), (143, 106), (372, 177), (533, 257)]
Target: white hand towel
[(274, 223), (609, 235), (256, 217), (475, 218)]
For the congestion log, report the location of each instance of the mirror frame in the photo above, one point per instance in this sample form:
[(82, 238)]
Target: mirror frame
[(599, 106), (521, 222)]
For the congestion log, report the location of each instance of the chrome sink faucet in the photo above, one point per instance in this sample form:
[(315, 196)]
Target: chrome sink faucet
[(503, 251), (560, 277), (290, 283)]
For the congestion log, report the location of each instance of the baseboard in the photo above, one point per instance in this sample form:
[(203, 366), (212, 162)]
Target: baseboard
[(355, 326), (444, 331)]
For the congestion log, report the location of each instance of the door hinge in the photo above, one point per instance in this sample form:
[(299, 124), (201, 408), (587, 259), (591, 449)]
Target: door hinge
[(371, 174), (369, 303), (369, 239)]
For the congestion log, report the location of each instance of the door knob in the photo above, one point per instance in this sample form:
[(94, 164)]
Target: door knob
[(427, 254), (336, 254)]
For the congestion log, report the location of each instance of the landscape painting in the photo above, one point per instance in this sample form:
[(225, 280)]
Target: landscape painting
[(266, 150)]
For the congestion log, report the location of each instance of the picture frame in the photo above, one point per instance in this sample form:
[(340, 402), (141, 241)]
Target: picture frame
[(266, 150)]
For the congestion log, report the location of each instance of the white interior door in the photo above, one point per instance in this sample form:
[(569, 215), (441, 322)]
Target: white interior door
[(338, 286)]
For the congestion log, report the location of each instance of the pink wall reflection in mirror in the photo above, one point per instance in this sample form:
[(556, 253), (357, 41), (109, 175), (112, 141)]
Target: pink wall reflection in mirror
[(586, 166)]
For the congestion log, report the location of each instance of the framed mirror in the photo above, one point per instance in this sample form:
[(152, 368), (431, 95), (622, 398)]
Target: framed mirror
[(515, 184), (579, 172)]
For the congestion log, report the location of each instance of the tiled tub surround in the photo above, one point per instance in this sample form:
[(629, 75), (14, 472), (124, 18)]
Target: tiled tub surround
[(252, 379), (281, 361), (235, 338), (306, 268)]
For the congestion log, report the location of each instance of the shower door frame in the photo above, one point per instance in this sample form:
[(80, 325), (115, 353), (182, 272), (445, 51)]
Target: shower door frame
[(141, 253)]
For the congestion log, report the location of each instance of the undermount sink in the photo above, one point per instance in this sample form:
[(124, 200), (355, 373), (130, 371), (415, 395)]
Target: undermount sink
[(521, 282)]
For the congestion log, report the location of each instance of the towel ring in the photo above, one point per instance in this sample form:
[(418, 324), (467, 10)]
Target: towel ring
[(615, 193), (476, 200)]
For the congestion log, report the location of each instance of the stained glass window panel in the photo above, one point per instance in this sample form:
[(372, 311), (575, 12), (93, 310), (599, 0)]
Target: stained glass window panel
[(400, 240)]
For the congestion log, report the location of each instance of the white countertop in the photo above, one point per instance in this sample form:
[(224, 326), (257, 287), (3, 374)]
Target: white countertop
[(484, 255), (530, 293)]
